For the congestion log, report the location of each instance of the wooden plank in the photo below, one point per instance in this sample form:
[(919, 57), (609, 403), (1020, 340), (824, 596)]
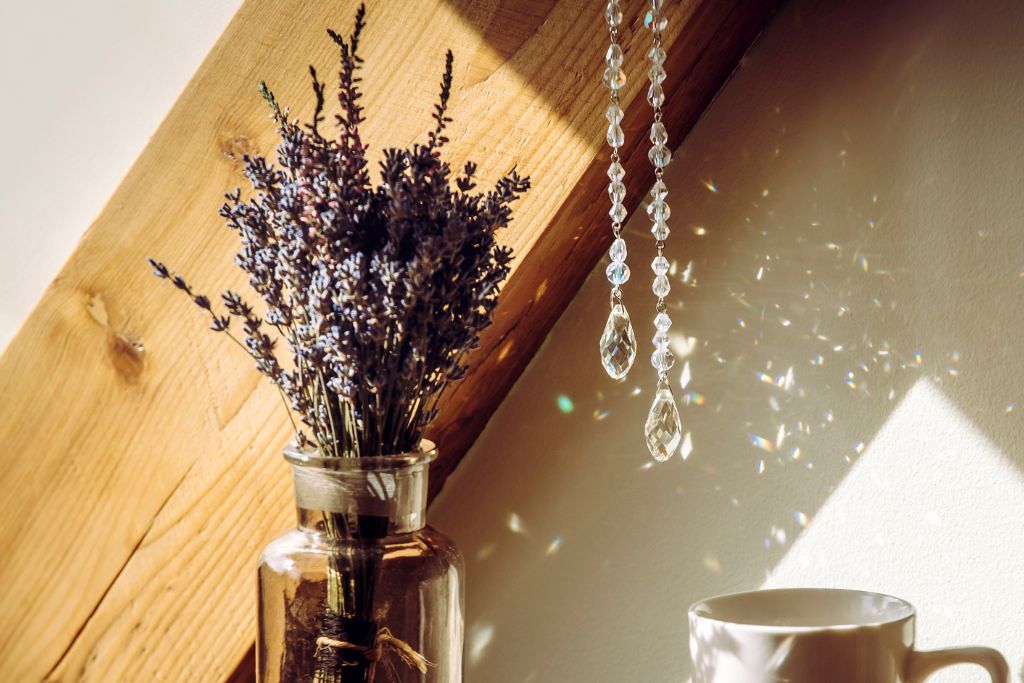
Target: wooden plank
[(140, 460)]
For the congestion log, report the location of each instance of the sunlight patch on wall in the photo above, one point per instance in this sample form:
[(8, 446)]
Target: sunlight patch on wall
[(930, 512)]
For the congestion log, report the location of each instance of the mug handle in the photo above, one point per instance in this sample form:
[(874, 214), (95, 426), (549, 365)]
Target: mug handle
[(924, 664)]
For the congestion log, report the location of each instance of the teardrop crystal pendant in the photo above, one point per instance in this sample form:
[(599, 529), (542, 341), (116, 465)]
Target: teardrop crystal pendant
[(663, 429), (618, 343)]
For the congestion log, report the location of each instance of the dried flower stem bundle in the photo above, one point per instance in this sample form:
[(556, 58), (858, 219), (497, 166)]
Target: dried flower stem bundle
[(377, 291)]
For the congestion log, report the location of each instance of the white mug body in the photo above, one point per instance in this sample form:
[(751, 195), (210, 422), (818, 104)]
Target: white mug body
[(801, 636)]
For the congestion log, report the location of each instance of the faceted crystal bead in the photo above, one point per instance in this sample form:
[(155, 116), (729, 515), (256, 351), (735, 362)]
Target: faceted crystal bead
[(618, 250), (656, 95), (615, 135), (660, 265), (659, 156), (656, 73), (662, 321), (659, 134), (658, 191), (660, 231), (617, 272), (655, 22), (661, 286), (659, 211), (614, 56), (617, 191), (613, 113), (618, 343), (616, 172), (656, 55), (617, 212), (663, 360), (615, 78), (663, 429), (660, 340), (613, 13)]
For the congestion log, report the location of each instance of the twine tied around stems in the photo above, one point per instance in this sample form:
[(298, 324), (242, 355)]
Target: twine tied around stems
[(384, 643)]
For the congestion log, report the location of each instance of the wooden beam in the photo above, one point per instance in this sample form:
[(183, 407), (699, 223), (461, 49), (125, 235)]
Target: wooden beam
[(141, 463)]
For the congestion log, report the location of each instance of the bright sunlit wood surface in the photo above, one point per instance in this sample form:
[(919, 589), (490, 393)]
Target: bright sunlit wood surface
[(141, 465)]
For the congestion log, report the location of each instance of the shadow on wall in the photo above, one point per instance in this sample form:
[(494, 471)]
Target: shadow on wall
[(847, 296)]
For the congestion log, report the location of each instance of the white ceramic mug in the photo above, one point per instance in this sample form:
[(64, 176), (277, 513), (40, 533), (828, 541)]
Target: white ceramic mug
[(812, 635)]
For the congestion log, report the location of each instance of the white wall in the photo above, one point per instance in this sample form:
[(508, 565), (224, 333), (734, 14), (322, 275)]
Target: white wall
[(852, 204), (84, 86)]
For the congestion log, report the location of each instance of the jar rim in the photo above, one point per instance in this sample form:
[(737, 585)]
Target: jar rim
[(309, 456)]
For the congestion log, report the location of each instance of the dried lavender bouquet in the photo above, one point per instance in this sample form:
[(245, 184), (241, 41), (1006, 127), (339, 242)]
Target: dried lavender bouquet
[(377, 291)]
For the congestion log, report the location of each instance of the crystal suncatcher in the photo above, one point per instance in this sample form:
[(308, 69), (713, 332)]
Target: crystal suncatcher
[(663, 428), (618, 342)]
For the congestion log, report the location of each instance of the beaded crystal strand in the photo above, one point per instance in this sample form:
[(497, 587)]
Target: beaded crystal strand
[(618, 343), (663, 429)]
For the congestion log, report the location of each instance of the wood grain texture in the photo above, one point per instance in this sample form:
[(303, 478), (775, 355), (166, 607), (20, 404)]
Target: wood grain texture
[(141, 464)]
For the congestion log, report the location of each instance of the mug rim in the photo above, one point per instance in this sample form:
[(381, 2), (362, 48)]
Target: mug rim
[(910, 615)]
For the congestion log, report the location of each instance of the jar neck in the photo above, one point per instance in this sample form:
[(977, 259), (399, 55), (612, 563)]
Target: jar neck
[(361, 498)]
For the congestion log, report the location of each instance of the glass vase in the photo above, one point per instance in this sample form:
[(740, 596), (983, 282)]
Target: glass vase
[(361, 591)]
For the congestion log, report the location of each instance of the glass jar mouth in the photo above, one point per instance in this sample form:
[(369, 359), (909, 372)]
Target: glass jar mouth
[(309, 456)]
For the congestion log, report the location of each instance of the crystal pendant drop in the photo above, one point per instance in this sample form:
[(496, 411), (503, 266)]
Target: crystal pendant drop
[(618, 343), (663, 429)]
